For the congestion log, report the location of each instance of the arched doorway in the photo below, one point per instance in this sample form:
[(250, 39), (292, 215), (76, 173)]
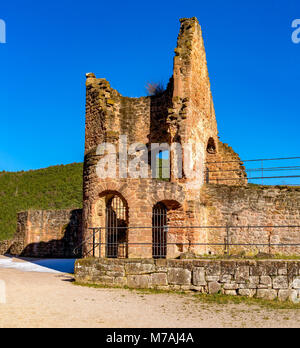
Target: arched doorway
[(116, 227), (159, 231)]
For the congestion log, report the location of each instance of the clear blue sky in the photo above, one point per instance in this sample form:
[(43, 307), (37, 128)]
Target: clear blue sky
[(253, 65)]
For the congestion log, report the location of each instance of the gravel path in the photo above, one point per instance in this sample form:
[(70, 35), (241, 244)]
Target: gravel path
[(51, 300)]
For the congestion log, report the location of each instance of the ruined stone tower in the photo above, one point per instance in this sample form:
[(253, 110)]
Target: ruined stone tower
[(133, 207)]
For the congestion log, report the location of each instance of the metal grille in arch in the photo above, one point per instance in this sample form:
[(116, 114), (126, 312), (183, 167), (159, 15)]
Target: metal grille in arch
[(116, 228), (159, 231)]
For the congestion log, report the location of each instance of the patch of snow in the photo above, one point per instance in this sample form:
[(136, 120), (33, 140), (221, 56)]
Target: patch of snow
[(40, 265)]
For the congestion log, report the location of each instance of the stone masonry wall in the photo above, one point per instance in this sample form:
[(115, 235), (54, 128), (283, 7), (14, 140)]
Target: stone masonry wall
[(46, 233), (183, 113), (252, 205), (262, 279)]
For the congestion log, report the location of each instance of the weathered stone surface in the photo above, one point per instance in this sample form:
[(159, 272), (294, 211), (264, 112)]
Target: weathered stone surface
[(138, 268), (179, 276), (226, 278), (242, 274), (139, 281), (214, 287), (296, 283), (159, 279), (213, 269), (253, 282), (43, 233), (266, 280), (287, 294), (230, 286), (230, 292), (280, 282), (189, 276), (213, 278), (120, 281), (247, 292), (199, 276), (266, 294)]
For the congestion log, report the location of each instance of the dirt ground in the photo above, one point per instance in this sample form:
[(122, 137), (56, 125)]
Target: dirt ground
[(51, 300)]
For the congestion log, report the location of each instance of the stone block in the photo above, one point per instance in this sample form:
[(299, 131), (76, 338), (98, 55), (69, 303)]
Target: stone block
[(214, 287), (266, 294), (242, 274), (230, 292), (213, 278), (247, 292), (139, 268), (159, 279), (199, 276), (287, 294), (280, 282), (139, 281), (296, 283), (120, 281), (228, 267), (230, 286), (266, 280), (253, 282), (179, 276), (226, 278), (213, 268)]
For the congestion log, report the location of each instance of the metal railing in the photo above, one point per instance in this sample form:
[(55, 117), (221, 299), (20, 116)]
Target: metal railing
[(227, 240), (277, 174)]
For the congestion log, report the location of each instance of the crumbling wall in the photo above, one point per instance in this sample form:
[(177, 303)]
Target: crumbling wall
[(224, 166), (253, 205), (46, 233)]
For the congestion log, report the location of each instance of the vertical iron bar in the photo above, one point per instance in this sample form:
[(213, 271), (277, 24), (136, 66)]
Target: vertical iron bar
[(100, 245), (93, 242), (227, 238)]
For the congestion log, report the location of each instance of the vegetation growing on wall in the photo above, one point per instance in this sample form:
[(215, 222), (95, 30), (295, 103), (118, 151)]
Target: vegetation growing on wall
[(57, 187)]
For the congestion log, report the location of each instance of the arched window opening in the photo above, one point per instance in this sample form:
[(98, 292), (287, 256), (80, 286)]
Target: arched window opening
[(116, 227), (163, 165), (159, 231), (211, 146)]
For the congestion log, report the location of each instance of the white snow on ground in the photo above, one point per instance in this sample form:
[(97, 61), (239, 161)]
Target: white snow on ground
[(39, 265)]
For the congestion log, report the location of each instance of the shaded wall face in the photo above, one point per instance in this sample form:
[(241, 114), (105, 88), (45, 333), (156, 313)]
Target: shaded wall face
[(48, 233), (255, 206)]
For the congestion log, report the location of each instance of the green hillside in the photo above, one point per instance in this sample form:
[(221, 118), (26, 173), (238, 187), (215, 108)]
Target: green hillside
[(57, 187)]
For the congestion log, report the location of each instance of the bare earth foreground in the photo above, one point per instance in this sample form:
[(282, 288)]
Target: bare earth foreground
[(37, 299)]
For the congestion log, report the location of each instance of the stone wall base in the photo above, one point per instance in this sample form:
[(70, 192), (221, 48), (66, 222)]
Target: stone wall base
[(262, 279)]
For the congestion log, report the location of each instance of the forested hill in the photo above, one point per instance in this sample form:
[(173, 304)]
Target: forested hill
[(57, 187)]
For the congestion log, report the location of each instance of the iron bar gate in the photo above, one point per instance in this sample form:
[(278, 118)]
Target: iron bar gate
[(159, 231), (116, 228), (160, 237)]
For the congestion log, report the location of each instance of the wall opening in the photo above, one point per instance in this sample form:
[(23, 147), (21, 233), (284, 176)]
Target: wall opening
[(159, 231), (116, 227), (211, 146)]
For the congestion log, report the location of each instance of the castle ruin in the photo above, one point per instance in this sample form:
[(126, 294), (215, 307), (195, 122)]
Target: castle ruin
[(183, 113)]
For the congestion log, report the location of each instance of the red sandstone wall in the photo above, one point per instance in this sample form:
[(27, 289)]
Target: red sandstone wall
[(224, 167), (46, 233), (184, 113), (252, 205)]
